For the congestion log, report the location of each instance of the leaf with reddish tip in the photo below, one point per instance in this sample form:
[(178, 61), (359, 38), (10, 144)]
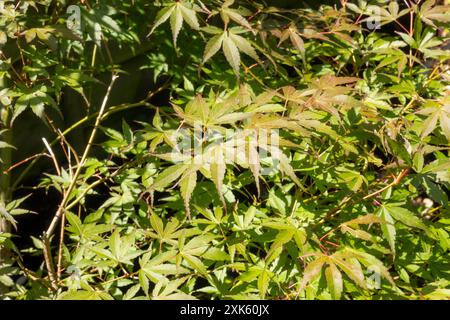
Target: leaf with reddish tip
[(334, 281)]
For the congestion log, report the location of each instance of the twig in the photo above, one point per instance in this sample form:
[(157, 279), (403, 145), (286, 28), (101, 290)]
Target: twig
[(111, 111), (49, 263), (55, 161), (346, 200), (61, 209), (393, 183), (60, 247), (18, 164), (82, 161)]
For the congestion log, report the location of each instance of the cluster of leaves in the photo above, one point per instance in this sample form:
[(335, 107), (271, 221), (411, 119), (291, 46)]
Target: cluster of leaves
[(353, 200)]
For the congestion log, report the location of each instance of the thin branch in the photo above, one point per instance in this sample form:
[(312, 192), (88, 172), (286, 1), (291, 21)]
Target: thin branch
[(55, 161), (18, 164), (57, 216), (60, 248), (61, 209), (49, 263), (393, 183), (108, 113)]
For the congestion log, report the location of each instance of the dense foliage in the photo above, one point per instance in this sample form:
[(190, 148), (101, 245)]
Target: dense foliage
[(224, 149)]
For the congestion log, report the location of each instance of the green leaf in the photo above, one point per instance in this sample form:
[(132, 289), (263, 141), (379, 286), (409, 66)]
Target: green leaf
[(388, 228), (131, 293), (5, 215), (80, 295), (168, 176), (213, 45), (176, 22), (157, 224), (334, 281), (231, 53), (190, 17), (263, 283), (75, 222), (4, 144), (216, 254), (196, 263), (218, 169), (162, 17), (187, 186), (244, 46), (406, 217)]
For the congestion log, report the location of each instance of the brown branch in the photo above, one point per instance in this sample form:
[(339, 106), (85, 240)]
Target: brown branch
[(393, 183), (18, 164), (62, 207)]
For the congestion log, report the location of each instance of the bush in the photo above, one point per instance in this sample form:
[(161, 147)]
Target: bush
[(224, 150)]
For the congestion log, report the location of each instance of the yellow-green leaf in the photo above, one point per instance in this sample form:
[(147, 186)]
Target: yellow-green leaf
[(187, 186), (231, 53), (334, 281), (168, 176), (212, 47), (176, 22)]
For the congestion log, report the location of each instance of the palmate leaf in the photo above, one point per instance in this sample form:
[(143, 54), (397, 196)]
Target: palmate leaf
[(228, 13), (194, 249), (371, 262), (326, 93), (387, 14), (162, 17), (232, 44), (429, 12), (157, 268), (436, 111), (177, 12), (214, 113), (350, 266), (352, 226), (293, 35), (170, 290), (347, 260), (167, 233), (36, 98)]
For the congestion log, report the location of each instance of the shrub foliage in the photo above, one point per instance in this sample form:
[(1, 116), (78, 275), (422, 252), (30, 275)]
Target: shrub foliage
[(224, 149)]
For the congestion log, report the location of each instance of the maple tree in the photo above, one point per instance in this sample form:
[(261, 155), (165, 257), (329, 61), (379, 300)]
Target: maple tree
[(296, 153)]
